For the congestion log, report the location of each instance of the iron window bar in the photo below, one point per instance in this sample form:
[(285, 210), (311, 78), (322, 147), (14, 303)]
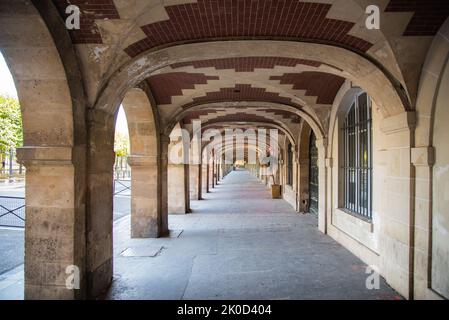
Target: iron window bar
[(357, 164)]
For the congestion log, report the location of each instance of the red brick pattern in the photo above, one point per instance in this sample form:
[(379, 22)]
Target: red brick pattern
[(287, 115), (242, 92), (215, 19), (165, 86), (247, 64), (240, 117), (91, 10), (195, 115), (325, 86), (428, 18)]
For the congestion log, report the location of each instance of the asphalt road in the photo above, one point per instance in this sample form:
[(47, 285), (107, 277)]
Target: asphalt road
[(12, 239), (11, 248)]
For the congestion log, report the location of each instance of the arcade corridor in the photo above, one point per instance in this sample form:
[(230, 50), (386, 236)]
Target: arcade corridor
[(339, 107), (238, 244)]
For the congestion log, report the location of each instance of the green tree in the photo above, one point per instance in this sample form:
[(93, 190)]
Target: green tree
[(11, 133), (121, 144)]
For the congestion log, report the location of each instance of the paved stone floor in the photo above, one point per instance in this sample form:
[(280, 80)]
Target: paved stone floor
[(238, 244)]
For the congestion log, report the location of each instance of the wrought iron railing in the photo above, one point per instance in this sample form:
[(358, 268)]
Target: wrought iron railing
[(122, 187), (12, 212)]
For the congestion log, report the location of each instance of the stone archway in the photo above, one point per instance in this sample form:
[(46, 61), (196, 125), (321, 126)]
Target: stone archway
[(144, 162), (51, 95)]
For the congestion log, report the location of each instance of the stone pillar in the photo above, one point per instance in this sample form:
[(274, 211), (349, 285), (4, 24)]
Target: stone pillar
[(213, 173), (187, 187), (217, 172), (303, 184), (177, 203), (396, 207), (223, 168), (178, 178), (100, 200), (200, 182), (423, 159), (145, 207), (195, 178), (55, 222), (323, 165), (207, 175), (163, 186)]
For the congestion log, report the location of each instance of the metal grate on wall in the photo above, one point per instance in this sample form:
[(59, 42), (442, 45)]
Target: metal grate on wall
[(357, 136)]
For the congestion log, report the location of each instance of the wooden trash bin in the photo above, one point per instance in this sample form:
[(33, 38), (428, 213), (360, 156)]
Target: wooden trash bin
[(276, 191)]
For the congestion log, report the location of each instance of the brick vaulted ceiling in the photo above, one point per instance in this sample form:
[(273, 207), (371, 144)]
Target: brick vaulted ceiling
[(209, 19), (428, 16), (268, 115), (218, 81), (264, 79), (242, 92), (166, 85), (247, 64), (322, 85), (218, 19), (325, 86)]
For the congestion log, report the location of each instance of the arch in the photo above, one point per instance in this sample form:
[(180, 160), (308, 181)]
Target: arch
[(309, 117), (144, 161), (51, 95), (276, 125), (356, 68)]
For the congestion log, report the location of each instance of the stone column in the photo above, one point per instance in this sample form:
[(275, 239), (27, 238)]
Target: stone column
[(145, 207), (423, 159), (195, 178), (178, 178), (223, 168), (323, 165), (217, 171), (187, 187), (207, 167), (55, 223), (176, 189), (396, 206), (200, 182), (100, 200), (303, 184), (163, 185), (213, 173)]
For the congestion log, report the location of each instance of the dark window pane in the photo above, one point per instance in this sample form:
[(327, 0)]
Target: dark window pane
[(357, 157)]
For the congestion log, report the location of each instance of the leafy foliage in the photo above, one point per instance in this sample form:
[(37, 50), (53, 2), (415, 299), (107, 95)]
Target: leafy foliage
[(121, 144), (11, 133)]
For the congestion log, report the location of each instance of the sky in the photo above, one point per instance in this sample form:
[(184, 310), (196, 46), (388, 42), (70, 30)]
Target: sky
[(7, 87)]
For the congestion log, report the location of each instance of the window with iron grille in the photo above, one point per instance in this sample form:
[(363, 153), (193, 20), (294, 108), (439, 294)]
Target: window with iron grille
[(357, 141), (290, 165)]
